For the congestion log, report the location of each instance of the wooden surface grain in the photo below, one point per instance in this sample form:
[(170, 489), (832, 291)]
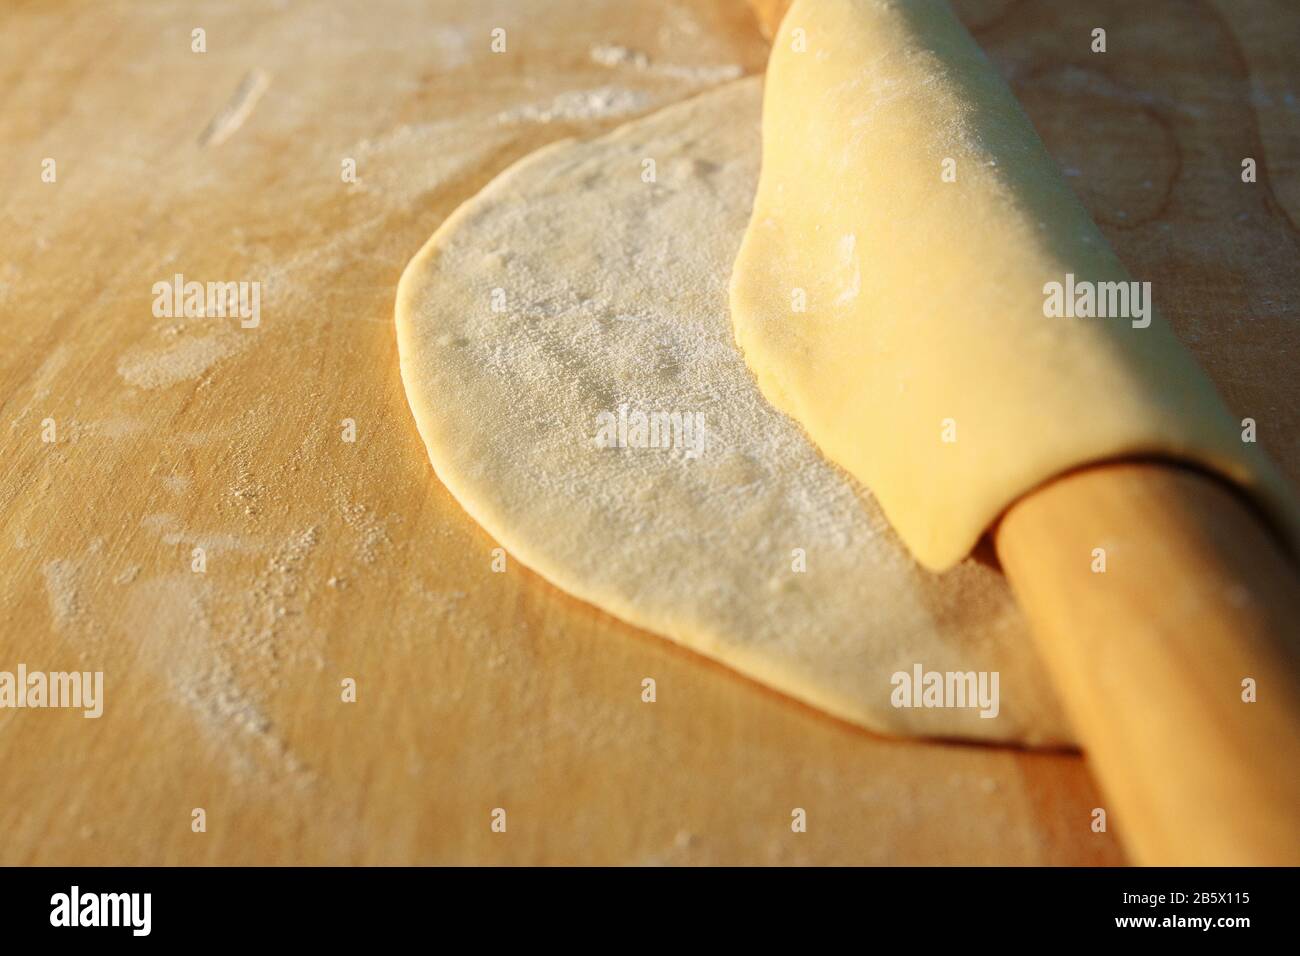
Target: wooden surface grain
[(329, 560)]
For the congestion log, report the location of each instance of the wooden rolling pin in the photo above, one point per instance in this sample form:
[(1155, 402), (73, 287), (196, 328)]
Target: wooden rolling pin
[(1154, 658), (1149, 657)]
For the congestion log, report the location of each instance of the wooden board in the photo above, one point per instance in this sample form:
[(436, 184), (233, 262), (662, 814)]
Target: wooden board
[(329, 560)]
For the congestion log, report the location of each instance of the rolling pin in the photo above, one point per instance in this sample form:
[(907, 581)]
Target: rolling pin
[(1149, 658), (1179, 667)]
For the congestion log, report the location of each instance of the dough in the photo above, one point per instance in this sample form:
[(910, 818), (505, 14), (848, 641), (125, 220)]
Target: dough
[(924, 317), (610, 292)]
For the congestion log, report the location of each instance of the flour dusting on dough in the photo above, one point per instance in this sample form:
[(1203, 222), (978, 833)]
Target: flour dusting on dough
[(617, 296)]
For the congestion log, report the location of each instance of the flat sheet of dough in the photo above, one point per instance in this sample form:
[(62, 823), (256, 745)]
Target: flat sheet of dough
[(925, 297), (615, 292)]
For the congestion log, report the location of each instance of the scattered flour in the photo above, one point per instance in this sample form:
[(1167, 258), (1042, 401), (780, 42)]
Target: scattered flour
[(612, 55), (615, 56), (372, 533), (43, 381), (168, 618), (170, 532), (274, 596), (117, 426), (128, 575), (599, 103), (61, 586), (186, 359), (451, 47)]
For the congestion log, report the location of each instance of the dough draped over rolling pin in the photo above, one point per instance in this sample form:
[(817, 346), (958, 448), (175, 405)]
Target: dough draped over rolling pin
[(909, 236)]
